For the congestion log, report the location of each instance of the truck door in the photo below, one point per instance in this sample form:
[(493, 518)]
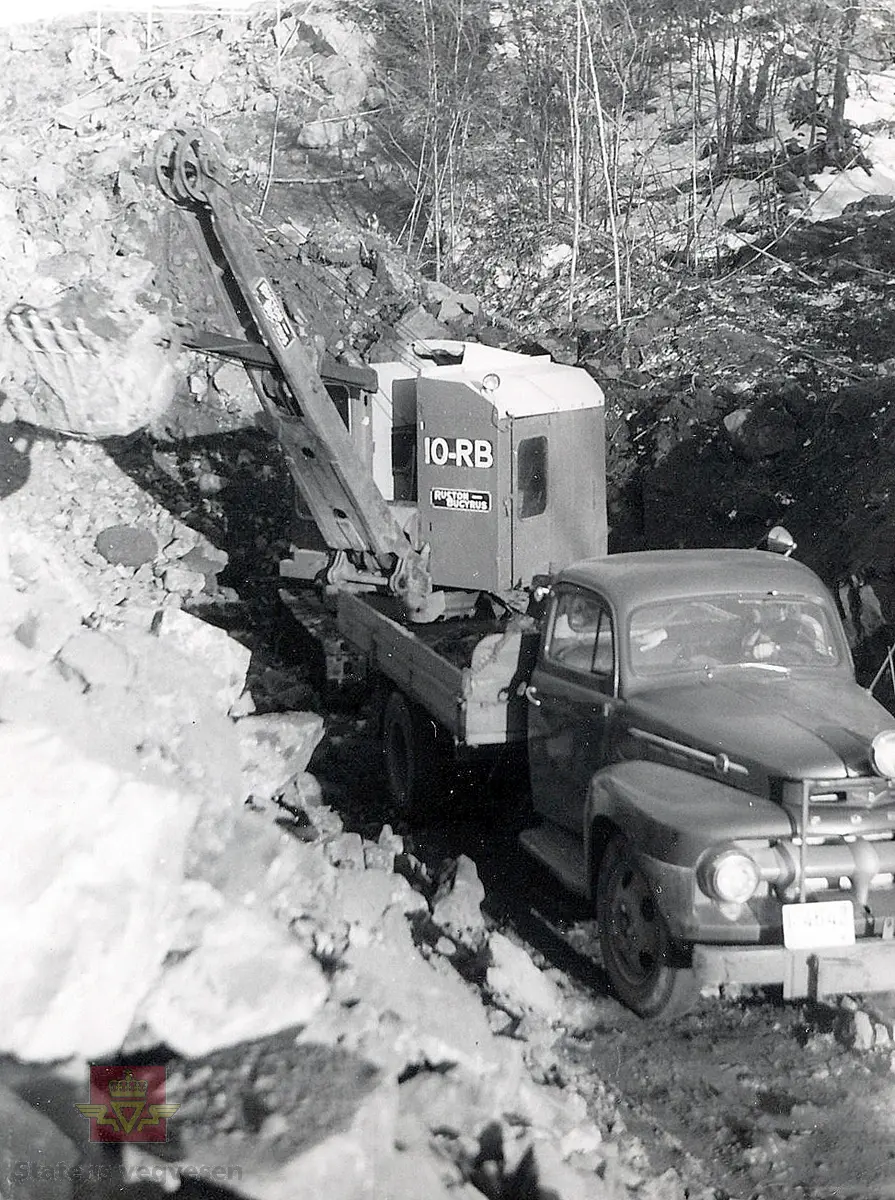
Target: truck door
[(570, 700)]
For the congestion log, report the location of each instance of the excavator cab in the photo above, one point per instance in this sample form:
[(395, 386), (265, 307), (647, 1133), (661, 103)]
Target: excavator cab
[(501, 455)]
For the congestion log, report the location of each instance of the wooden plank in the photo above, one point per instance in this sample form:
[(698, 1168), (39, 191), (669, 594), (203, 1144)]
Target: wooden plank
[(408, 662)]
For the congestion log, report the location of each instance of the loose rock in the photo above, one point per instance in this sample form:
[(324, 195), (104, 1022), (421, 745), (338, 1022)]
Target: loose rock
[(127, 545), (515, 982), (457, 905), (245, 979)]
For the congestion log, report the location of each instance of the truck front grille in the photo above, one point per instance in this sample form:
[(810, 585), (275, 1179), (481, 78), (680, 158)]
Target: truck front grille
[(861, 792), (851, 864)]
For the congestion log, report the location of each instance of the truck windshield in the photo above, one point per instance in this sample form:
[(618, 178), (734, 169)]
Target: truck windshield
[(732, 631)]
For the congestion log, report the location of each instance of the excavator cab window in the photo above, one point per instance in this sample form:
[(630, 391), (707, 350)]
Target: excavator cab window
[(404, 462), (531, 476)]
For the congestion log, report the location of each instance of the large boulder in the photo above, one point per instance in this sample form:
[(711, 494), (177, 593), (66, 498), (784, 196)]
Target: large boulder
[(93, 861), (262, 865), (245, 979), (131, 701), (226, 659), (274, 748)]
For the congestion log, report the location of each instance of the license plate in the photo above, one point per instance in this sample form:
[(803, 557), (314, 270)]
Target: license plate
[(813, 926)]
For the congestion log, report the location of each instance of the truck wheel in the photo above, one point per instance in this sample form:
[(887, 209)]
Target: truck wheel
[(409, 753), (639, 954)]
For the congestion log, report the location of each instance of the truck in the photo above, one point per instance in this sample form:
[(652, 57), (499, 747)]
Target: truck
[(703, 767)]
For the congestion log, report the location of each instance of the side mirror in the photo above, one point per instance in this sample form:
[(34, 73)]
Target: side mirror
[(778, 541)]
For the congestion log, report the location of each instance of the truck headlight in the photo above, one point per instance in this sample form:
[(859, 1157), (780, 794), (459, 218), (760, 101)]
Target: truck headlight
[(882, 753), (731, 877)]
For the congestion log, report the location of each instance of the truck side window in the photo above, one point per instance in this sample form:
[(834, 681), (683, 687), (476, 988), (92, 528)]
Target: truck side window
[(531, 476), (581, 637)]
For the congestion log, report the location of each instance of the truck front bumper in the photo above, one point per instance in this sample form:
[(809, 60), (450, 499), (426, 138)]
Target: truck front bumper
[(868, 966)]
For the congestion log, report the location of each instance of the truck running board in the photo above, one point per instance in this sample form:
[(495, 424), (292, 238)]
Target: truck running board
[(560, 852)]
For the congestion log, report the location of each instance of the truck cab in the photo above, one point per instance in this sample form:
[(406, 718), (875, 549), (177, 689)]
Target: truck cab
[(710, 775)]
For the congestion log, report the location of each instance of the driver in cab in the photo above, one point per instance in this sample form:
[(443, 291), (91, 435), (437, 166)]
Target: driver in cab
[(780, 631)]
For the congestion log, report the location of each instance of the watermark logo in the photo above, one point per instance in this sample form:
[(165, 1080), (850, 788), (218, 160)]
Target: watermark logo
[(127, 1104)]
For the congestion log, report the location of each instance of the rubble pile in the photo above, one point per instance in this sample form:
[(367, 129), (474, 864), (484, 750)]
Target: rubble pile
[(160, 830)]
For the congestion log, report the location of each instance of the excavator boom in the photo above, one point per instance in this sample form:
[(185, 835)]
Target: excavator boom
[(336, 485)]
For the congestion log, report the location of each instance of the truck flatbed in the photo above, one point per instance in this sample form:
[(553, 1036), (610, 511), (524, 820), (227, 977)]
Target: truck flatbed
[(465, 673)]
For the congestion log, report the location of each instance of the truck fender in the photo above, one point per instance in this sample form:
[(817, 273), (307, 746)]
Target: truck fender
[(671, 816)]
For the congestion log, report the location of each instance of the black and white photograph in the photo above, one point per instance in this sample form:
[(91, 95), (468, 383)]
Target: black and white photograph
[(447, 600)]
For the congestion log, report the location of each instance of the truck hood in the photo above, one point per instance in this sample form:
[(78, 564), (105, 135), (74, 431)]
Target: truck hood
[(781, 727)]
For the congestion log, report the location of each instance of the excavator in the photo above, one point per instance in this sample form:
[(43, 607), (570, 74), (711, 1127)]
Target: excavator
[(462, 473)]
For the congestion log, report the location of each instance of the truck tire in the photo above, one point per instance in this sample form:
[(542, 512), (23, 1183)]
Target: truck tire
[(640, 957), (410, 756)]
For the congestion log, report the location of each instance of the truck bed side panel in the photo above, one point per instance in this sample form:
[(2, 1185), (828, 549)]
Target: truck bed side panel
[(476, 703)]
